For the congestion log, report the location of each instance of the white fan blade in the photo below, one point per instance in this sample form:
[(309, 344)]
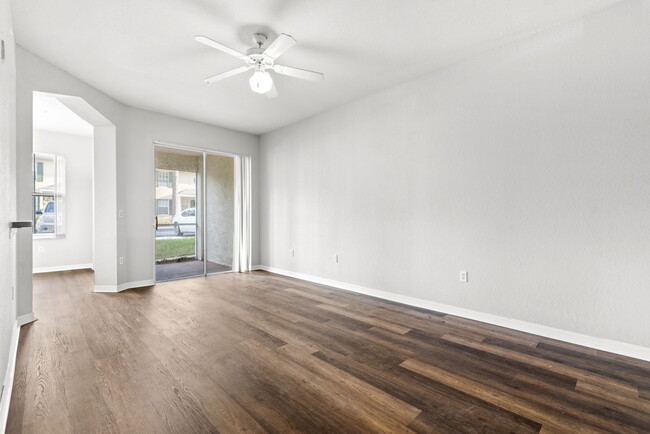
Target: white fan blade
[(214, 44), (281, 44), (273, 93), (299, 73), (227, 74)]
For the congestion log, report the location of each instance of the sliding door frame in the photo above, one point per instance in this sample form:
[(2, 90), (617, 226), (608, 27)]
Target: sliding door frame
[(204, 184)]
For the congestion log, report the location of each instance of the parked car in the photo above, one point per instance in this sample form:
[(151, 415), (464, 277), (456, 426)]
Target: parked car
[(46, 220), (185, 222)]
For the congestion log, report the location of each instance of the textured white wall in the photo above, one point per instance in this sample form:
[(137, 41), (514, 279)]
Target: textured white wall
[(220, 208), (77, 246), (7, 189), (527, 166)]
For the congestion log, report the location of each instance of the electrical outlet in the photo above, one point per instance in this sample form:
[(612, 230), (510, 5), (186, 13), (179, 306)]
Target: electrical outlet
[(335, 258), (121, 213), (121, 260), (41, 249), (464, 276), (292, 252)]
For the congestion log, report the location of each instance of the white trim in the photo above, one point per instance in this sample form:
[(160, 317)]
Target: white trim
[(155, 212), (11, 369), (608, 345), (105, 288), (215, 273), (196, 149), (204, 214), (44, 236), (62, 268), (25, 319), (136, 284), (123, 286), (9, 378)]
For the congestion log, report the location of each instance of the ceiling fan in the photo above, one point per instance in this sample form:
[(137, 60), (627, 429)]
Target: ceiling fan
[(262, 61)]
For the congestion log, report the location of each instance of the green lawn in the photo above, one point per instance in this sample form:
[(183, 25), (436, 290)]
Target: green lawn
[(175, 247)]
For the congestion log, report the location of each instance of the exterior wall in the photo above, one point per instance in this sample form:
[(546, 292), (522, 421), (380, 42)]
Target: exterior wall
[(220, 208)]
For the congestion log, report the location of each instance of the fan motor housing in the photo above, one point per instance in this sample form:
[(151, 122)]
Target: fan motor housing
[(255, 53), (259, 39)]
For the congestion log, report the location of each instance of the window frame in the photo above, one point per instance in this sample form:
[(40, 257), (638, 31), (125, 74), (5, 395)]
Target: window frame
[(164, 178), (168, 206), (57, 194)]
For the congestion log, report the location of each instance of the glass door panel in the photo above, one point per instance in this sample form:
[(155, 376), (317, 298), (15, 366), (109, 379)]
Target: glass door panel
[(178, 213)]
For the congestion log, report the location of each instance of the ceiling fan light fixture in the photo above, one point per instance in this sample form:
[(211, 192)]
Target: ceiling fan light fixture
[(261, 60), (261, 81)]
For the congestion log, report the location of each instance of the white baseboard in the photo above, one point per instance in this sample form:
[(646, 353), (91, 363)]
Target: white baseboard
[(608, 345), (105, 288), (62, 268), (11, 369), (123, 286), (25, 319)]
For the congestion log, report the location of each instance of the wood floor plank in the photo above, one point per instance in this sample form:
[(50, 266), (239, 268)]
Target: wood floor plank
[(47, 404), (444, 409), (258, 352), (220, 409), (554, 421), (394, 407), (592, 409), (545, 390), (371, 321), (547, 364), (321, 299), (360, 415), (617, 370)]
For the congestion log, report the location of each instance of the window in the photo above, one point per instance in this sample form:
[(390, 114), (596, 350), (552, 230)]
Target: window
[(164, 179), (39, 171), (163, 206), (48, 195)]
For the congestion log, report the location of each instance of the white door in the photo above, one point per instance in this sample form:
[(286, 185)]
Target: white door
[(7, 190)]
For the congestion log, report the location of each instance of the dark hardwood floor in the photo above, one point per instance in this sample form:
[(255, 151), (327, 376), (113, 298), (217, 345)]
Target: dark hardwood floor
[(259, 352)]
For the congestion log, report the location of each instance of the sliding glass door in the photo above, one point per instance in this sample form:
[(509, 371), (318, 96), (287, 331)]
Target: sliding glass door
[(194, 208)]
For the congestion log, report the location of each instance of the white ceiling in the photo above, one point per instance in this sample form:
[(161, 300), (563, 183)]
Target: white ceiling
[(50, 114), (143, 53)]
